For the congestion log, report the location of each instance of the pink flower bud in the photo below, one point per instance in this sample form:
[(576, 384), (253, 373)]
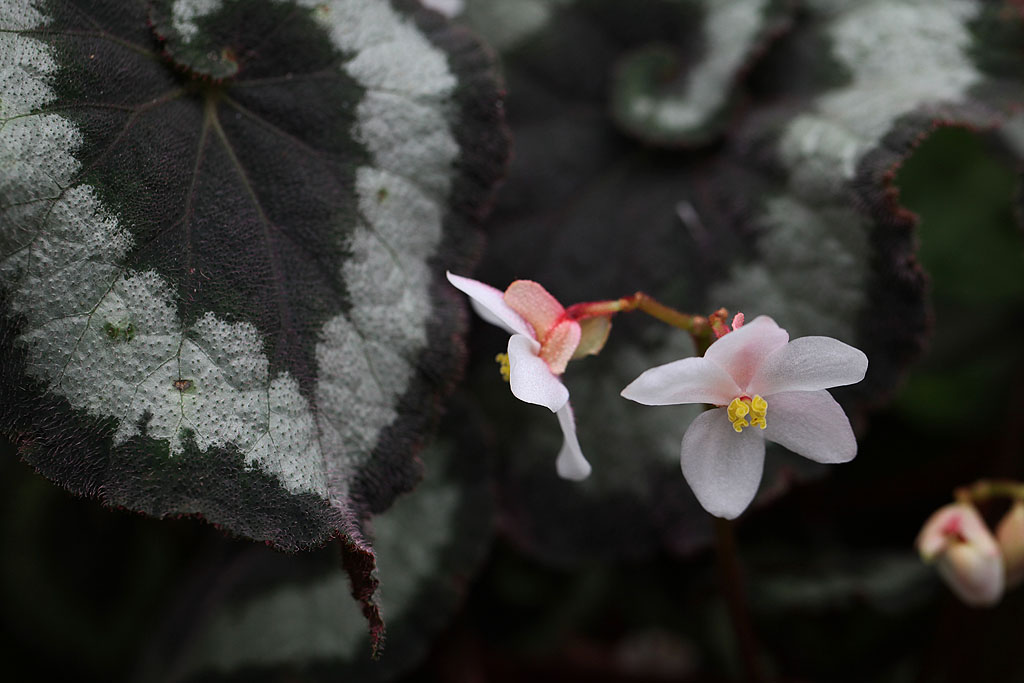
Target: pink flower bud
[(966, 554), (1010, 535)]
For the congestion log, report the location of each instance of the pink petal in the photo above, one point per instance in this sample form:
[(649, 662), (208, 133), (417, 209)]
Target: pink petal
[(690, 380), (560, 344), (811, 424), (722, 467), (742, 351), (570, 463), (489, 304), (530, 300), (809, 364), (530, 377), (954, 523)]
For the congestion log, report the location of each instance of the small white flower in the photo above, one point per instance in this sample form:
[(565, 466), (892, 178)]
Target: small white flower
[(543, 341), (966, 554), (766, 387)]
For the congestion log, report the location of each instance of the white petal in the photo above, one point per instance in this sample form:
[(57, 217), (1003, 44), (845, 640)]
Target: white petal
[(690, 380), (722, 467), (489, 304), (570, 464), (811, 424), (809, 364), (531, 378), (742, 351)]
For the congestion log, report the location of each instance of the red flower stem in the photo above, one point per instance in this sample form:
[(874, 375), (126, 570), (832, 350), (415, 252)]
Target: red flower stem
[(736, 599), (987, 489), (703, 330)]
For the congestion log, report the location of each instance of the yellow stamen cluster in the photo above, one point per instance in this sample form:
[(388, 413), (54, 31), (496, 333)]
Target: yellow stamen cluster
[(740, 408), (502, 359)]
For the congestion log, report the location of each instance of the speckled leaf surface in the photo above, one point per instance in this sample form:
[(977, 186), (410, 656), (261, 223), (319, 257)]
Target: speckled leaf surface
[(791, 214), (223, 231), (263, 616)]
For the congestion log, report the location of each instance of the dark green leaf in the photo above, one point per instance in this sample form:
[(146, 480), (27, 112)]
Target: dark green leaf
[(222, 247)]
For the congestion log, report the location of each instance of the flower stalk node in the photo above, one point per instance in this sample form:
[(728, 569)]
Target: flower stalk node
[(718, 324)]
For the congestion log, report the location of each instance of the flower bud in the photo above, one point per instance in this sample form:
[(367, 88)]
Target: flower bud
[(966, 554), (1010, 535)]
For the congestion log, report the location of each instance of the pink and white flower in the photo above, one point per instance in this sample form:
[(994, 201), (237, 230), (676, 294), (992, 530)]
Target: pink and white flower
[(543, 341), (766, 387), (966, 553)]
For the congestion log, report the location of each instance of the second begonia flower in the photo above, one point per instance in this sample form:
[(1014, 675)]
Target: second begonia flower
[(543, 341), (764, 387)]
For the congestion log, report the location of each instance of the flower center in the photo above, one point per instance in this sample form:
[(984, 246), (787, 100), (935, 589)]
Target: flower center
[(502, 359), (742, 406)]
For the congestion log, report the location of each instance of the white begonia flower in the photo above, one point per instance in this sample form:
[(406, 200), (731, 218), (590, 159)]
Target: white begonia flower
[(543, 341), (766, 387), (966, 553)]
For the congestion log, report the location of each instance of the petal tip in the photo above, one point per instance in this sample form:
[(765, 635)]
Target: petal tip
[(572, 469), (726, 512), (843, 457), (571, 464), (635, 391)]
